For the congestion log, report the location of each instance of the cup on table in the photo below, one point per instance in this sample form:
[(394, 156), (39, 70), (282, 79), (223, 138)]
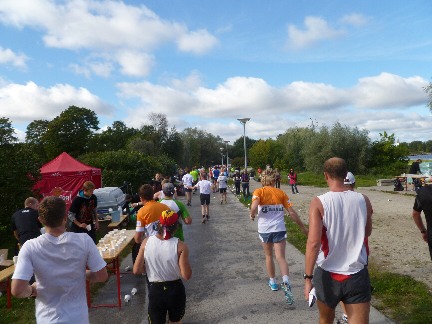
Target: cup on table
[(88, 227), (15, 259)]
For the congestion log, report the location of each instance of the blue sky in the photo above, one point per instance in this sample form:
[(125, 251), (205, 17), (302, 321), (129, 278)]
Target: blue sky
[(206, 63)]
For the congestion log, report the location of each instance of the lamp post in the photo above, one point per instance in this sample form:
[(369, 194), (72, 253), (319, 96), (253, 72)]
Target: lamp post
[(244, 121), (221, 150), (227, 158)]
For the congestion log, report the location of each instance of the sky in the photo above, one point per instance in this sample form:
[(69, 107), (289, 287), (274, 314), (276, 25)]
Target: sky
[(204, 64)]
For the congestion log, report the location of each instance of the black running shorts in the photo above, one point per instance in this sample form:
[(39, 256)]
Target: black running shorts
[(166, 297), (205, 199)]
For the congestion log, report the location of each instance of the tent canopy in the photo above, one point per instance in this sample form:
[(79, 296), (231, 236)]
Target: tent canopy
[(64, 176)]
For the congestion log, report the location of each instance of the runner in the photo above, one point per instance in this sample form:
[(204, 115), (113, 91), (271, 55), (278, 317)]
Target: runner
[(205, 189)]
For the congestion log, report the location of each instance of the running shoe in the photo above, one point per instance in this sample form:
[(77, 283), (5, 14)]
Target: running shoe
[(289, 297), (273, 286), (343, 320)]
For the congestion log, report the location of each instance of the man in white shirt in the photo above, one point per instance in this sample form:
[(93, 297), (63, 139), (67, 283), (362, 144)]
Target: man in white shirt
[(339, 223), (59, 260), (188, 183)]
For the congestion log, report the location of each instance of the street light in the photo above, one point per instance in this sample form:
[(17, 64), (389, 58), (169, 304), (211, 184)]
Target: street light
[(226, 145), (221, 150), (244, 121)]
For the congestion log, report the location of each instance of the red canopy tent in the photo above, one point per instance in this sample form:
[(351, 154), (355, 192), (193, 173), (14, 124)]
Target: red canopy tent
[(64, 177)]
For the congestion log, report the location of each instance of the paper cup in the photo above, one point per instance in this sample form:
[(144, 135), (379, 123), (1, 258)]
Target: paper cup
[(88, 227), (15, 259), (134, 291)]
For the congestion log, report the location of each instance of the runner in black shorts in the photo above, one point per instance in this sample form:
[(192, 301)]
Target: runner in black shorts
[(169, 296)]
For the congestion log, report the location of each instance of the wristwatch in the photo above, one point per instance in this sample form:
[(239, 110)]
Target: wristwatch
[(305, 276)]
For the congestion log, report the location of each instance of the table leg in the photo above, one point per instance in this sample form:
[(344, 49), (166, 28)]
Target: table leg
[(117, 270), (8, 293)]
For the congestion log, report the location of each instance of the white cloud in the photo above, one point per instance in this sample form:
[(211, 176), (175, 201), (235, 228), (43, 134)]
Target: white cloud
[(28, 102), (389, 91), (273, 110), (316, 29), (134, 63), (105, 27), (7, 56), (355, 19), (198, 42)]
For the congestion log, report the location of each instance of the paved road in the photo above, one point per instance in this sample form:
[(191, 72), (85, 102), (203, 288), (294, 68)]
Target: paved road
[(228, 284)]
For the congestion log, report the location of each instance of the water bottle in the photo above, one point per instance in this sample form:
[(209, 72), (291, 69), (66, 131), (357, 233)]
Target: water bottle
[(120, 210)]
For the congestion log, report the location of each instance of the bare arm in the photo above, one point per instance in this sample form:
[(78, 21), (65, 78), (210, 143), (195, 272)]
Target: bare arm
[(185, 268), (313, 244), (15, 233), (419, 222), (293, 214), (138, 237), (139, 266), (369, 216), (254, 208), (187, 220), (98, 276), (22, 289)]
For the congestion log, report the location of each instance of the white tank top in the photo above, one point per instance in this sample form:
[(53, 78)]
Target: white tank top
[(161, 259), (343, 248)]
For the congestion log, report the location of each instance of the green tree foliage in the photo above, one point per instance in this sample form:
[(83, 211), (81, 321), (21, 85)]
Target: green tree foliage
[(35, 135), (237, 151), (388, 158), (265, 152), (306, 149), (71, 132), (115, 137), (200, 148), (20, 171), (293, 143), (130, 166), (6, 132)]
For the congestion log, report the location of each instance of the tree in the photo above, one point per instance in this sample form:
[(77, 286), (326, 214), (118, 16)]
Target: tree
[(388, 159), (71, 132), (21, 171), (133, 167), (6, 132), (200, 148), (35, 135), (113, 138)]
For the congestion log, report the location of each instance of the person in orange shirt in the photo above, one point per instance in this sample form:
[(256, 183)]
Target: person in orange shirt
[(147, 217), (268, 203)]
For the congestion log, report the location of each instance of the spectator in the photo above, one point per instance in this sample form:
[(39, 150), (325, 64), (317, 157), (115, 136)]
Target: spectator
[(237, 181), (336, 244), (277, 178), (82, 212), (245, 183), (292, 177), (25, 223), (59, 260)]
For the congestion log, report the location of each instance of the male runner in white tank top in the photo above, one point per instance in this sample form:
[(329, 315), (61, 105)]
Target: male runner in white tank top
[(339, 222)]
